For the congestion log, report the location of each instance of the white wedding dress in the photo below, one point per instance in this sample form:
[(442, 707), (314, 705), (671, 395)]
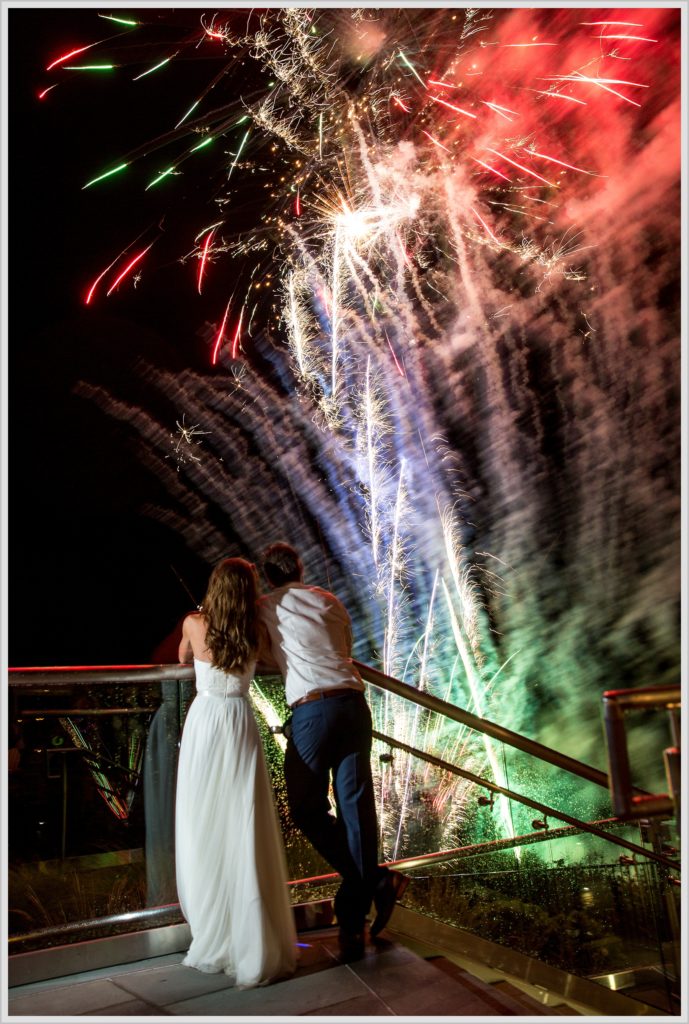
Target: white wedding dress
[(230, 860)]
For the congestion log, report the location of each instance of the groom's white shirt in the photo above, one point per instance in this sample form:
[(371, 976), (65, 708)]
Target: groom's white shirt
[(310, 636)]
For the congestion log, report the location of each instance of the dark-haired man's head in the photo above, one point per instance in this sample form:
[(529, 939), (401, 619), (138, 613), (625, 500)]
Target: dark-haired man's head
[(282, 565)]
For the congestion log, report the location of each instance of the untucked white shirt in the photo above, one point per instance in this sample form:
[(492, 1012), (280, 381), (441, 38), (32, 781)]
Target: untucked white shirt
[(310, 638)]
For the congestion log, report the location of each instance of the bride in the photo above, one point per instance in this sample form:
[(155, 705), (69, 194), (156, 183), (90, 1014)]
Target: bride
[(230, 861)]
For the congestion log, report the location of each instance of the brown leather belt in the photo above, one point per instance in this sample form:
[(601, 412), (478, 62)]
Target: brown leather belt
[(323, 694)]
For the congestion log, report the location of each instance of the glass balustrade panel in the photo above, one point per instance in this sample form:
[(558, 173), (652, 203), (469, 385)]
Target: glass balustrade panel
[(573, 901), (91, 803), (90, 795)]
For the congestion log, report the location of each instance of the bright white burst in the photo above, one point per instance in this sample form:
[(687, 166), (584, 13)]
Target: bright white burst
[(184, 442)]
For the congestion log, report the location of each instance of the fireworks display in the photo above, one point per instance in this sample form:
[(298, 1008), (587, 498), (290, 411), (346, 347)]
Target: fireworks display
[(436, 255)]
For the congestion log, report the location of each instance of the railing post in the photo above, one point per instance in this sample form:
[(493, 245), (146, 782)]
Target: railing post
[(672, 760), (618, 758), (627, 803), (63, 838)]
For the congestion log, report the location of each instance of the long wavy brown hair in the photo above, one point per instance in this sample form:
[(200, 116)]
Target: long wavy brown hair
[(229, 611)]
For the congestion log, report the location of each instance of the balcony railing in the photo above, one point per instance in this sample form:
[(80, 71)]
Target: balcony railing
[(92, 806)]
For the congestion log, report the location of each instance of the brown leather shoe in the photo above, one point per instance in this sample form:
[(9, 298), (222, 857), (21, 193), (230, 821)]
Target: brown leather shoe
[(389, 890)]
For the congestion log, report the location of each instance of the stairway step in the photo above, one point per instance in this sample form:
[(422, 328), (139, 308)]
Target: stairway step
[(502, 997), (529, 1003)]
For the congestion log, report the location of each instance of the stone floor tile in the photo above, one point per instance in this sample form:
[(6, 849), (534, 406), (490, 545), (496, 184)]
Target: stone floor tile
[(380, 952), (387, 954), (133, 1008), (298, 995), (361, 1006), (153, 963), (170, 984), (100, 972), (385, 974), (478, 970), (87, 997), (440, 999), (416, 988), (314, 956)]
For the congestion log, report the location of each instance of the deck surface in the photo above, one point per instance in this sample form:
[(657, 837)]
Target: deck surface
[(390, 980)]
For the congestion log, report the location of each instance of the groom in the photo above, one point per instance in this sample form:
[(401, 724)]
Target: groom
[(310, 640)]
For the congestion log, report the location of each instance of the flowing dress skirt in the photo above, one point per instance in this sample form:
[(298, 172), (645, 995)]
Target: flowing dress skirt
[(230, 861)]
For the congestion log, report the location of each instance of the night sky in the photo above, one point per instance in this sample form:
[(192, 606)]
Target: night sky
[(101, 580)]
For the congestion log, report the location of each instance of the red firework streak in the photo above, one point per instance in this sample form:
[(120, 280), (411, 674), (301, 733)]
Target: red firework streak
[(204, 256), (235, 340), (66, 56), (397, 362), (99, 278), (130, 265), (220, 335)]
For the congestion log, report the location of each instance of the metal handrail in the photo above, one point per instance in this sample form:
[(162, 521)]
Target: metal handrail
[(83, 712), (155, 917), (581, 826), (95, 675), (101, 674), (498, 732), (644, 697)]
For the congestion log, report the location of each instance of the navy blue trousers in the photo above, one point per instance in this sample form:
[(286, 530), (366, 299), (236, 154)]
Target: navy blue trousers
[(333, 736)]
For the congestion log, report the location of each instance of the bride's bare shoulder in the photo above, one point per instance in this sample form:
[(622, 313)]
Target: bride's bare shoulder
[(195, 623)]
